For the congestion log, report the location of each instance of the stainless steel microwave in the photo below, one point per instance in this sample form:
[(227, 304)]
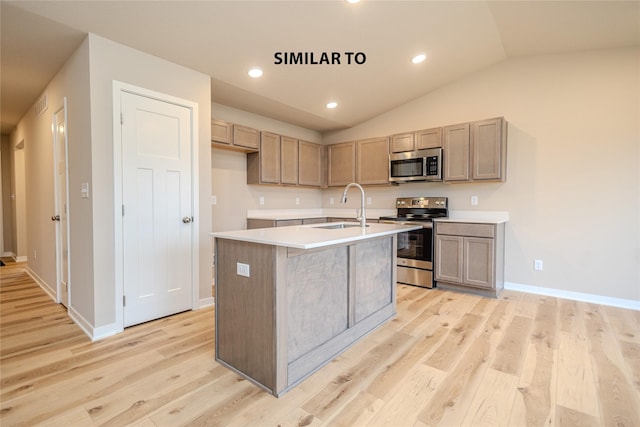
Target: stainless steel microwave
[(421, 165)]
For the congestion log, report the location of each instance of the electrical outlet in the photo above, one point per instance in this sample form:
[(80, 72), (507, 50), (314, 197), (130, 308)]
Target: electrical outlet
[(297, 200), (261, 200), (537, 265), (368, 200), (243, 269), (474, 200), (331, 200)]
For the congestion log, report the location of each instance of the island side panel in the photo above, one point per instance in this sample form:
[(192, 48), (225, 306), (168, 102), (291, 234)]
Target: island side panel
[(317, 299), (374, 277), (245, 325)]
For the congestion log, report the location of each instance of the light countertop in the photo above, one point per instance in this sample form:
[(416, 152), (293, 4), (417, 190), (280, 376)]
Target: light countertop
[(284, 214), (310, 236)]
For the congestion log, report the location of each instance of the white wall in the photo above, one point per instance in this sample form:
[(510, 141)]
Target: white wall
[(229, 175), (573, 182)]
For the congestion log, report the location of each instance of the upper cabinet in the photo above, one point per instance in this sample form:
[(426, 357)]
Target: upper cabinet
[(372, 165), (456, 152), (365, 162), (288, 160), (419, 140), (311, 164), (475, 151), (221, 132), (403, 142), (429, 138), (341, 161), (234, 137), (263, 167), (489, 150)]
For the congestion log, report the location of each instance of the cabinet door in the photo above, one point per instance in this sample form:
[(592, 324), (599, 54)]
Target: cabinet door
[(449, 258), (221, 132), (429, 138), (342, 164), (246, 137), (269, 158), (288, 160), (309, 164), (373, 161), (402, 142), (456, 152), (479, 262), (488, 143)]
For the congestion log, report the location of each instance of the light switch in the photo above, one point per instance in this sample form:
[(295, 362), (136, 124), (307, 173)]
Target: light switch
[(84, 190), (214, 200)]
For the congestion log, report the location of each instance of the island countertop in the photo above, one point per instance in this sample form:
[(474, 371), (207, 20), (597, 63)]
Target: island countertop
[(311, 236)]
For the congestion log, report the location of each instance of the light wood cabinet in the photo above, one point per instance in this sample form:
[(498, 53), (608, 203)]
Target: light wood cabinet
[(229, 136), (263, 167), (310, 164), (428, 138), (475, 151), (372, 161), (419, 140), (489, 149), (288, 160), (456, 145), (341, 159), (470, 256), (403, 142), (246, 137), (221, 132)]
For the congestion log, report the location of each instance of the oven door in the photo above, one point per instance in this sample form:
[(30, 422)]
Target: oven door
[(416, 247)]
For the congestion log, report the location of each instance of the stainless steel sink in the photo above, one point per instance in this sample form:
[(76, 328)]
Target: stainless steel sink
[(337, 226)]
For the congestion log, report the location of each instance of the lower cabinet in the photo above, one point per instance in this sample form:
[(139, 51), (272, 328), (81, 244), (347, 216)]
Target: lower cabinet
[(470, 256)]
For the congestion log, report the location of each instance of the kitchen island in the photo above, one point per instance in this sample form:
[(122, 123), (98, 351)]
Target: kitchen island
[(291, 299)]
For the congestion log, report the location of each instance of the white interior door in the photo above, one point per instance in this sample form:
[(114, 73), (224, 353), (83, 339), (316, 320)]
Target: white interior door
[(61, 215), (157, 208)]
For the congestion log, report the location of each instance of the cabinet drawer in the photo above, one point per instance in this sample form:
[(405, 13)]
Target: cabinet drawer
[(466, 229)]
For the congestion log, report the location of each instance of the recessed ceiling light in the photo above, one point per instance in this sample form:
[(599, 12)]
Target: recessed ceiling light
[(332, 104), (418, 58), (353, 1), (255, 72)]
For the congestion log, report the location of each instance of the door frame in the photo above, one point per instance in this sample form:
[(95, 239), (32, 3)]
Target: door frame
[(58, 208), (118, 88)]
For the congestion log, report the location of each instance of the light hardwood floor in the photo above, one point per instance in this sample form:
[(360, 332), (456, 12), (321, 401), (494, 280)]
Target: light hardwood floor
[(446, 359)]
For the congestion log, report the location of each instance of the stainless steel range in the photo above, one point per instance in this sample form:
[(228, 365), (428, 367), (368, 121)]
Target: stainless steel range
[(415, 248)]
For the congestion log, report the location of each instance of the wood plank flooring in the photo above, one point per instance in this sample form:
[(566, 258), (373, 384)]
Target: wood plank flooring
[(446, 359)]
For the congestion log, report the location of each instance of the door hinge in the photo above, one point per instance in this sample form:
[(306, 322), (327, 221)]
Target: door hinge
[(121, 118), (124, 300), (122, 210)]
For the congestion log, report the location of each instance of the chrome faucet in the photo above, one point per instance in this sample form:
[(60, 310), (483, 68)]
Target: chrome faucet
[(363, 217)]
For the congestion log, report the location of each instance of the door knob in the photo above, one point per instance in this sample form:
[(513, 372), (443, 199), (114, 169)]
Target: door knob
[(187, 219), (55, 218)]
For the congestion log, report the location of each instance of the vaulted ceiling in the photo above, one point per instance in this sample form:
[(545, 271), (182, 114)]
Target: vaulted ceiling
[(224, 38)]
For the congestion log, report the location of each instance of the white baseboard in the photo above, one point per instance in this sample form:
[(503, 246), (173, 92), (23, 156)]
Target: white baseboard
[(19, 258), (93, 333), (7, 254), (42, 284), (206, 302), (577, 296)]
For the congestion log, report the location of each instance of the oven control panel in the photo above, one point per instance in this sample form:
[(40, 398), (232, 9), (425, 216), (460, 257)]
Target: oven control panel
[(421, 202)]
